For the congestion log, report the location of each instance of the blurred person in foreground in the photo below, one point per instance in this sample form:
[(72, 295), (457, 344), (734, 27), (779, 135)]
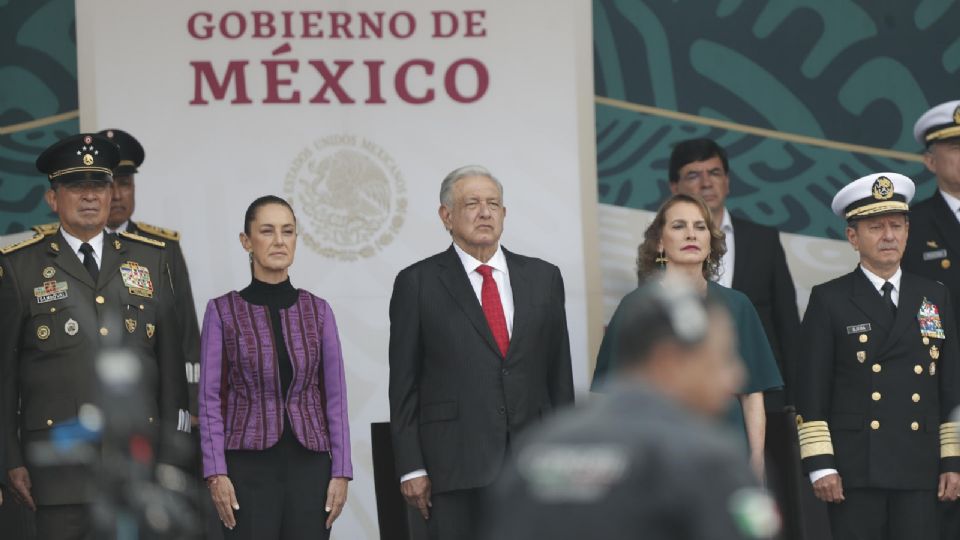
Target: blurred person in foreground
[(645, 460), (684, 247), (274, 430)]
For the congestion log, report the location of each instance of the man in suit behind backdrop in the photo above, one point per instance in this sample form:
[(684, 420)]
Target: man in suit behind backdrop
[(478, 351), (934, 242)]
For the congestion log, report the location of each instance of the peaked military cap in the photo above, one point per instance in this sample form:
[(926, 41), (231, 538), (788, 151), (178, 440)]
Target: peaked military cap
[(874, 195), (85, 156), (938, 124), (131, 151)]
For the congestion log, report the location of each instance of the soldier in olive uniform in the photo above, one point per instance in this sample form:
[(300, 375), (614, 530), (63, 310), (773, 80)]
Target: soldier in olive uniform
[(879, 378), (121, 219), (67, 294)]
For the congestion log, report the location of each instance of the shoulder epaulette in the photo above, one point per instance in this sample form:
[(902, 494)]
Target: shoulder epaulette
[(143, 239), (47, 228), (169, 234), (22, 244)]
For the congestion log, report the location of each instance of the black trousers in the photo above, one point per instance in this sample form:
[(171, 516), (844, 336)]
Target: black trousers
[(885, 514), (64, 522), (281, 492)]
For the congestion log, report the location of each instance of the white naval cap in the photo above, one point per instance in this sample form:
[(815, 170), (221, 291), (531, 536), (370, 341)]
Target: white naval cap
[(939, 123), (874, 194)]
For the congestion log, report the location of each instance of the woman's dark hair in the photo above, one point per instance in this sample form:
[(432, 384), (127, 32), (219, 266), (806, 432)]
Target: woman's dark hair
[(259, 203), (647, 253), (693, 150)]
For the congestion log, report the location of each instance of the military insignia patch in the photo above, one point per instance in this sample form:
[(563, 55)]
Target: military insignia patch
[(55, 247), (87, 159), (71, 327), (50, 291), (116, 244), (131, 325), (932, 244), (150, 330), (43, 332), (137, 279), (857, 328), (861, 356), (929, 319), (934, 353), (934, 255), (882, 188), (48, 272)]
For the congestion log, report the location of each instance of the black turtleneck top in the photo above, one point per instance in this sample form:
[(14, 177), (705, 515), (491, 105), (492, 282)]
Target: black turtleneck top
[(275, 297)]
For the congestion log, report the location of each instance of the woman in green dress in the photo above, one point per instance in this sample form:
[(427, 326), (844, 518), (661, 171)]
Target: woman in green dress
[(683, 244)]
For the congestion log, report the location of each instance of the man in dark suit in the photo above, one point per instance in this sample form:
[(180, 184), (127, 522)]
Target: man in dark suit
[(879, 379), (121, 219), (933, 246), (478, 351), (643, 460), (67, 295)]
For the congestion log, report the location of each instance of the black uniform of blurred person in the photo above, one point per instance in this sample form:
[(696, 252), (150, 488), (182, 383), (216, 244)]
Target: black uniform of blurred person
[(879, 378), (69, 293), (645, 460)]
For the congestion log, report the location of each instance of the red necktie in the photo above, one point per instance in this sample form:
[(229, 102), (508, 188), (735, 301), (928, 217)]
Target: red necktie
[(493, 309)]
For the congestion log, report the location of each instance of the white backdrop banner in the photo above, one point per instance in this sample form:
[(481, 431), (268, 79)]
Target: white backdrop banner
[(353, 111)]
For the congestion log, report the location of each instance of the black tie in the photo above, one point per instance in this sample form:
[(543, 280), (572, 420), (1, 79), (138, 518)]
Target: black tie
[(888, 297), (88, 261)]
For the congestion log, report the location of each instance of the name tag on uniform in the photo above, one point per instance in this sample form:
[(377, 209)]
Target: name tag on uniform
[(50, 291), (934, 255), (857, 328)]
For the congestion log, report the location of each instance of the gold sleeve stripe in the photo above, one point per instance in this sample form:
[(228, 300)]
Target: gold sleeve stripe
[(949, 439), (814, 439)]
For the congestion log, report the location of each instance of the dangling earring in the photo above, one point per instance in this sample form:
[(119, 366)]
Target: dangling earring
[(250, 256), (662, 260)]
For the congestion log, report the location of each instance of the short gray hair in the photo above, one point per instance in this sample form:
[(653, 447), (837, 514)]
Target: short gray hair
[(446, 187)]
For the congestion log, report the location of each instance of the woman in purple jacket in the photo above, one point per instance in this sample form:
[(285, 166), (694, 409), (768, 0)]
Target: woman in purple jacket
[(273, 399)]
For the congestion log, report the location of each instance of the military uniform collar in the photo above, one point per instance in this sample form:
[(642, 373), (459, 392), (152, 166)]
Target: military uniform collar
[(96, 243), (952, 202), (878, 281), (125, 226)]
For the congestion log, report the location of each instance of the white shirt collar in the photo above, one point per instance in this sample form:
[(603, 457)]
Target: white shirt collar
[(726, 224), (123, 227), (470, 263), (952, 202), (878, 281)]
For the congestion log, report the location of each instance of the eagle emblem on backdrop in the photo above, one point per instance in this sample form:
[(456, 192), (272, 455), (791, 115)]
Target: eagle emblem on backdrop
[(349, 196)]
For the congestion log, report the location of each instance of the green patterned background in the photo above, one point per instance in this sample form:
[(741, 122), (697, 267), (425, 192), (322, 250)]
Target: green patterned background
[(38, 80), (857, 72)]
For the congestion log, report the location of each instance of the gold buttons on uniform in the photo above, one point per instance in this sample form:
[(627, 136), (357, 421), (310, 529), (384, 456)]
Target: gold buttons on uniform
[(945, 264), (104, 331), (926, 340), (53, 310), (100, 300), (915, 398), (915, 426), (918, 369), (49, 422), (875, 396), (875, 424), (863, 338), (877, 368)]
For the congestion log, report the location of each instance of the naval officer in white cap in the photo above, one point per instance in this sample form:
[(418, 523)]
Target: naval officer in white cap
[(877, 378), (933, 249)]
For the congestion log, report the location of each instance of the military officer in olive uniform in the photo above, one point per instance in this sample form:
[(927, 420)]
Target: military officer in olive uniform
[(879, 378), (67, 294), (121, 219)]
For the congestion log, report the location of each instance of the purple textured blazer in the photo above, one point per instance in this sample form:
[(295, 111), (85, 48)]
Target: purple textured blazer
[(241, 405)]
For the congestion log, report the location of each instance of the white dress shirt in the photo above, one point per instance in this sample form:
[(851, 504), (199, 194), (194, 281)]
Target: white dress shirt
[(96, 243), (501, 274), (877, 283), (121, 228), (726, 263)]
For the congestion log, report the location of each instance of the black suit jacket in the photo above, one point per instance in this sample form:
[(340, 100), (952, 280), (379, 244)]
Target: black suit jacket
[(933, 246), (453, 397), (871, 406), (49, 345), (760, 271)]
